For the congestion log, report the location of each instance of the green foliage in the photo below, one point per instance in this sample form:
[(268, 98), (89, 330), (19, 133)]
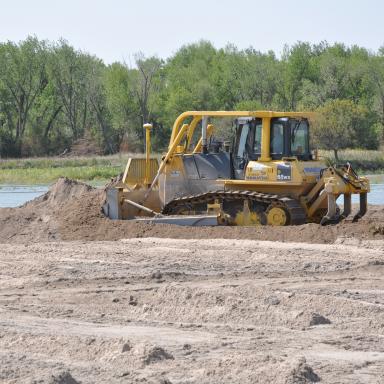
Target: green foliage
[(243, 76), (190, 84), (22, 79), (363, 161), (342, 124), (52, 95)]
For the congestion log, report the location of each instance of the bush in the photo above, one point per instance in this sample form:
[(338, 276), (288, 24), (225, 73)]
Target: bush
[(9, 147), (342, 124)]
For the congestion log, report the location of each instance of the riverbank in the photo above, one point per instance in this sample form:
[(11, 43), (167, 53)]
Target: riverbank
[(363, 161), (101, 169), (33, 171)]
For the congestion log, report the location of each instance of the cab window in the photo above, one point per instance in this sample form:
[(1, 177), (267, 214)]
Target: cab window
[(257, 139), (299, 138), (244, 130), (277, 138)]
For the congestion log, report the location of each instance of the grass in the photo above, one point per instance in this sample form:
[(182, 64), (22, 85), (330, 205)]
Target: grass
[(48, 170), (66, 162), (49, 175), (100, 169), (363, 161)]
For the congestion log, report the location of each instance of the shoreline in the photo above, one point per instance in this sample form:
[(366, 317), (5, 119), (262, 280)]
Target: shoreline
[(100, 169), (94, 175)]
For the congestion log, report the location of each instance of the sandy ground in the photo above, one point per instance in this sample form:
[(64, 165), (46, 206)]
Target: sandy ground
[(72, 211), (87, 300), (192, 311)]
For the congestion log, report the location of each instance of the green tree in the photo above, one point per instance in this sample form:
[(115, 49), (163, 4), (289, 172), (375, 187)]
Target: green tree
[(22, 79), (147, 85), (296, 65), (52, 94), (68, 69), (45, 134), (241, 76), (99, 115), (339, 124), (376, 71), (189, 78), (120, 83)]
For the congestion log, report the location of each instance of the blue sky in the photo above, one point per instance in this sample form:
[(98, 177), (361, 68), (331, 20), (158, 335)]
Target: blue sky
[(115, 29)]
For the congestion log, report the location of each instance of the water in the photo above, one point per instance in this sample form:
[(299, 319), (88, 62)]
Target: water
[(16, 195), (376, 196)]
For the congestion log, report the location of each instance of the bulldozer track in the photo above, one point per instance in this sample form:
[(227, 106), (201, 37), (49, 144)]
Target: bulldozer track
[(295, 211)]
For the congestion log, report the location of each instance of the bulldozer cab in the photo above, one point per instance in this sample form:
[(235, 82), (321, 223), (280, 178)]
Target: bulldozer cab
[(289, 137), (247, 144)]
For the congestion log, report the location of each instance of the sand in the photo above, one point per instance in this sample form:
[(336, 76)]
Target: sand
[(72, 211), (87, 300)]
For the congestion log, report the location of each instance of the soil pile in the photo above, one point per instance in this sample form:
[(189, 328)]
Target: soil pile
[(45, 218), (71, 210)]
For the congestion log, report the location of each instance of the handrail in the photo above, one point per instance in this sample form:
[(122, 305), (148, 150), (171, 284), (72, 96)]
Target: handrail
[(180, 119)]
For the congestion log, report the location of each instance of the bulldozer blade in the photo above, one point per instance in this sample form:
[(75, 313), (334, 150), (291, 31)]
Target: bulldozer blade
[(142, 208), (124, 204), (363, 207), (111, 206), (194, 221)]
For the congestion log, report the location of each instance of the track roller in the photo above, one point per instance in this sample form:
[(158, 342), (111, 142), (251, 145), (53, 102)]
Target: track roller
[(277, 215)]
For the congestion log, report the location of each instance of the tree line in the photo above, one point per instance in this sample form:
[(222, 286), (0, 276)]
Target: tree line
[(52, 94)]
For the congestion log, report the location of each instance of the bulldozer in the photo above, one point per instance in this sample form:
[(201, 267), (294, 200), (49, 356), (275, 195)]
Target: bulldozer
[(267, 175)]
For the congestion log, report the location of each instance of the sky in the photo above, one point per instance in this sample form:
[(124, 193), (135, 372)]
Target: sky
[(115, 30)]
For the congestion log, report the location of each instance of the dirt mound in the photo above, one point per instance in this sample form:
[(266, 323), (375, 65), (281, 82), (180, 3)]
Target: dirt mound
[(44, 218), (63, 378), (66, 189), (157, 354), (302, 373), (317, 319), (71, 210)]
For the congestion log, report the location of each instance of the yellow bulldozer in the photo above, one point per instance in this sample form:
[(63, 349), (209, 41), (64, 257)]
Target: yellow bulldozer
[(267, 175)]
